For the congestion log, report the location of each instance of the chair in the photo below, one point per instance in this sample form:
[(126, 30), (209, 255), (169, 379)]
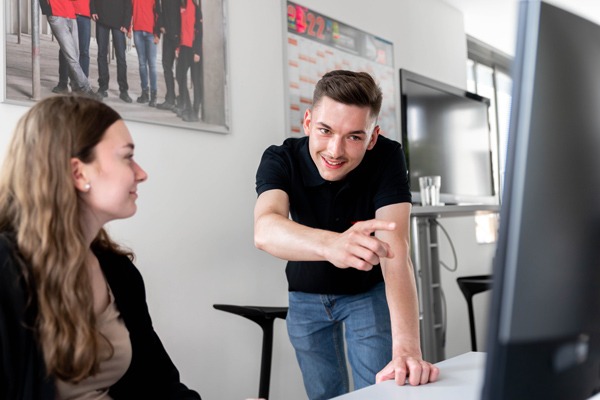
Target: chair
[(470, 286), (263, 316)]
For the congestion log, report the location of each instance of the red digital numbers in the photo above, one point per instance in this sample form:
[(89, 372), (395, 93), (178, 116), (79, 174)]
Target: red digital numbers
[(291, 10), (296, 18), (316, 25), (305, 22)]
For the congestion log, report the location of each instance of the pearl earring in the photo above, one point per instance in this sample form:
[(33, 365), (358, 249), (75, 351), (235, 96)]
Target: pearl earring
[(87, 187)]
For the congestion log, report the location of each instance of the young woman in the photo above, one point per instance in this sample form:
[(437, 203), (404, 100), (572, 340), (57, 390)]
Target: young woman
[(74, 322)]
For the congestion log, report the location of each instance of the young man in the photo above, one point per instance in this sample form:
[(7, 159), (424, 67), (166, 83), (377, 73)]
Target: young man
[(113, 17), (347, 243)]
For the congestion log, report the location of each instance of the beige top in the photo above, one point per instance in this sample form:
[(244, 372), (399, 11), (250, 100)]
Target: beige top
[(111, 369)]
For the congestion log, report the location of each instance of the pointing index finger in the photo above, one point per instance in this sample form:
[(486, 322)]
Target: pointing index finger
[(373, 225)]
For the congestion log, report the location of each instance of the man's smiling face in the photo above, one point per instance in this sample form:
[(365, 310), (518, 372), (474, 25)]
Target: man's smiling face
[(339, 136)]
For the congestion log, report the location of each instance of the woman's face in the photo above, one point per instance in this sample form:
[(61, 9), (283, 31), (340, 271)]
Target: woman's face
[(113, 176)]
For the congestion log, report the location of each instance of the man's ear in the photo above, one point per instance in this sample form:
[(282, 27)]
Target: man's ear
[(374, 137), (306, 121), (80, 180)]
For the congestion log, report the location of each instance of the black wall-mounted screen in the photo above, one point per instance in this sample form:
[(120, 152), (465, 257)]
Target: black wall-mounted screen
[(446, 132)]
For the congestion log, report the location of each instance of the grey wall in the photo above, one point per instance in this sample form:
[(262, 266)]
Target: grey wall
[(193, 231)]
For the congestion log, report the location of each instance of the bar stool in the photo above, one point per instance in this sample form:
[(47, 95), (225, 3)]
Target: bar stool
[(470, 286), (263, 316)]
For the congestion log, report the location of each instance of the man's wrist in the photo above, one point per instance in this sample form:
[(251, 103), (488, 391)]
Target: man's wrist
[(405, 349), (324, 244)]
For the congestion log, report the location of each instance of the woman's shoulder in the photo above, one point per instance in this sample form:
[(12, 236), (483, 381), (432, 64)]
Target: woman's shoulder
[(125, 282), (8, 250), (7, 240), (11, 270), (114, 260), (118, 268)]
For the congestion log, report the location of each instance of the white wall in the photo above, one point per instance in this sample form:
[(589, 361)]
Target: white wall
[(492, 21), (495, 21), (193, 230)]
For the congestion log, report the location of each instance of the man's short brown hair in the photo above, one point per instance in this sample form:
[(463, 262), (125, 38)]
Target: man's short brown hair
[(350, 88)]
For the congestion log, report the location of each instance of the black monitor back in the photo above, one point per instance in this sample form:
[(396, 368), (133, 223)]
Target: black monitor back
[(544, 333)]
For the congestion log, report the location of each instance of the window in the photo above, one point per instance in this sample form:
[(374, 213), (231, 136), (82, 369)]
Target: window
[(488, 75)]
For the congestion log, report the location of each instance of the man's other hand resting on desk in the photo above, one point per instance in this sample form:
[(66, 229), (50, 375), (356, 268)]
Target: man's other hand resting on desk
[(408, 369)]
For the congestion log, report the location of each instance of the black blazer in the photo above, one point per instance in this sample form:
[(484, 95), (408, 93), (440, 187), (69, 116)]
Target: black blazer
[(22, 370)]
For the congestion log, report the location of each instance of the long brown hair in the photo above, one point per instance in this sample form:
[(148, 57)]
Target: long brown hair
[(39, 205)]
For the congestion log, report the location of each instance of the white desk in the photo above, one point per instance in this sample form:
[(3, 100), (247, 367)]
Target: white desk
[(460, 378)]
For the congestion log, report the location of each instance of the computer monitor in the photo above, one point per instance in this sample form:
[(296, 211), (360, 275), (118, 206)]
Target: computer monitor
[(544, 332), (446, 132)]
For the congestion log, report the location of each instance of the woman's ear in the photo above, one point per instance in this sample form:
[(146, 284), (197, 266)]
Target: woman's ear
[(80, 180)]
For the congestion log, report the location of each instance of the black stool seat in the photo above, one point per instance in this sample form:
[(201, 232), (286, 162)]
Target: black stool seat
[(263, 316), (252, 312), (470, 286)]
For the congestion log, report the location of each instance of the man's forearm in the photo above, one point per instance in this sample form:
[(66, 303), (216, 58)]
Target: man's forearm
[(404, 309), (289, 240)]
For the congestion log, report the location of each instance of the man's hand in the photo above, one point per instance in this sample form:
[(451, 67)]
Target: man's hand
[(405, 369), (357, 248)]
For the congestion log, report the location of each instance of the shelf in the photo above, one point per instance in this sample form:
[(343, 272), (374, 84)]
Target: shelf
[(454, 211)]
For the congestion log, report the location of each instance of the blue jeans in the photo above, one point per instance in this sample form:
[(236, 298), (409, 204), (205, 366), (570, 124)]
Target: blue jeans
[(315, 326), (146, 50), (66, 34), (84, 33), (119, 42)]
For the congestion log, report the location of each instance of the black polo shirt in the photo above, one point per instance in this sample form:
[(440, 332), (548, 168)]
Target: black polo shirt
[(381, 179)]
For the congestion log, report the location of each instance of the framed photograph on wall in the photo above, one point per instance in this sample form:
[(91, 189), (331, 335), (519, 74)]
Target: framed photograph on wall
[(32, 67), (316, 44)]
